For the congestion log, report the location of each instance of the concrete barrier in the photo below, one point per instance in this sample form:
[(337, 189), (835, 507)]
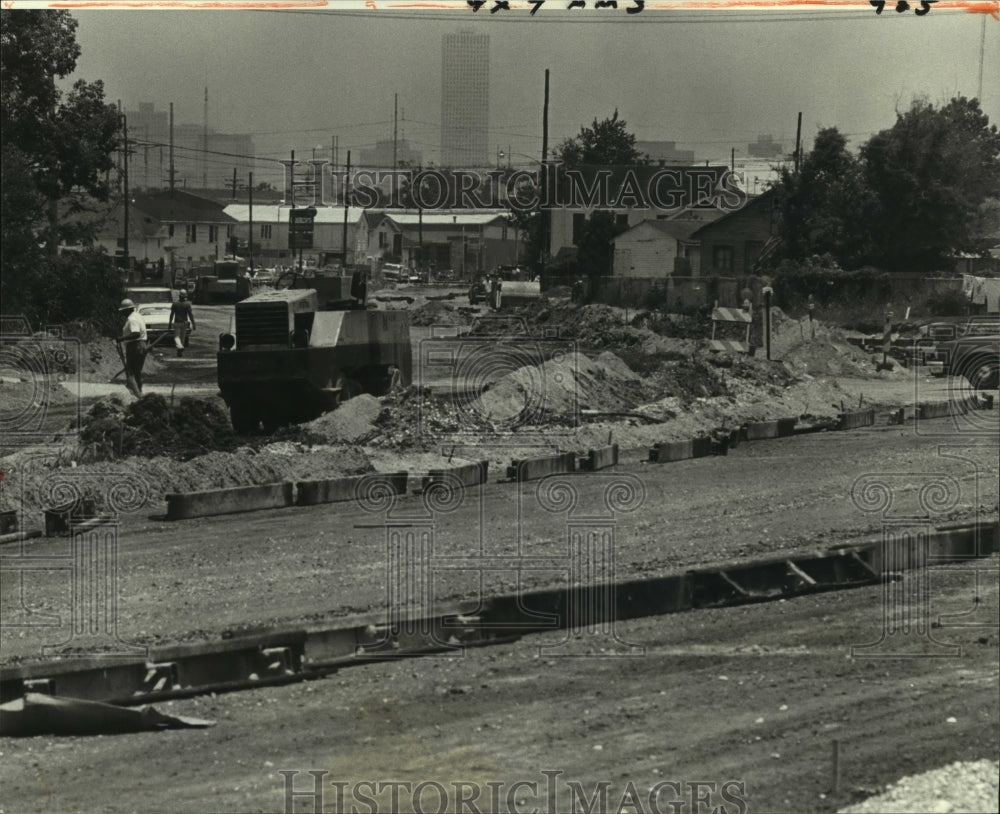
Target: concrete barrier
[(670, 451), (762, 430), (535, 468), (851, 421), (468, 475), (941, 409), (229, 501), (905, 413), (599, 458), (340, 490)]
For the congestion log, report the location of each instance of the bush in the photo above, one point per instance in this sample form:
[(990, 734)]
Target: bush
[(73, 288), (952, 303)]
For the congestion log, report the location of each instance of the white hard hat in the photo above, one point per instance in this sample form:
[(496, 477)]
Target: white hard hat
[(126, 304)]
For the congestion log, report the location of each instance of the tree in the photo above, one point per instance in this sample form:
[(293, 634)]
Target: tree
[(604, 142), (595, 250), (65, 144), (931, 173), (826, 208), (56, 152)]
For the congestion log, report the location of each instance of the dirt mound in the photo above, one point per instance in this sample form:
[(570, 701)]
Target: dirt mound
[(817, 349), (150, 427), (435, 312), (351, 422), (153, 478), (562, 386)]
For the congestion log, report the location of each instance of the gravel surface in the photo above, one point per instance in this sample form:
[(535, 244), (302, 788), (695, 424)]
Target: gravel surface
[(962, 788)]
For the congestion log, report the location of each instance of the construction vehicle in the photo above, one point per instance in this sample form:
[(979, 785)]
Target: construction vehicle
[(226, 284), (974, 357), (286, 359)]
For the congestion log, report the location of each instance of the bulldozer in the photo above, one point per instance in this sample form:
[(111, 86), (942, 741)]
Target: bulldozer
[(225, 284), (285, 359)]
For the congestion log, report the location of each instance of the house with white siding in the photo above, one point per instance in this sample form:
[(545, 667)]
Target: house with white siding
[(654, 248)]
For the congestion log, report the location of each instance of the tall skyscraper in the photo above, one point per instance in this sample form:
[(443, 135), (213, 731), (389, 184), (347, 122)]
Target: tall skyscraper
[(465, 99)]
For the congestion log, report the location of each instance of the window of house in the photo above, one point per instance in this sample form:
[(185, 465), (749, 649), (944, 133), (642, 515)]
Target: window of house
[(213, 234), (383, 240), (722, 259), (265, 231), (170, 230), (229, 231), (191, 233)]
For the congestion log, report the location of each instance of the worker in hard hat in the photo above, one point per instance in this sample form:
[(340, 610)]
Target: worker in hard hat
[(133, 340)]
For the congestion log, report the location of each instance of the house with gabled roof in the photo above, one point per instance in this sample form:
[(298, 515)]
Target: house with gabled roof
[(180, 228)]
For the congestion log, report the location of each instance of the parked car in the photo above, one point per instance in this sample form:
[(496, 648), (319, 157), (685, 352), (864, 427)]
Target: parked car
[(154, 305), (930, 345)]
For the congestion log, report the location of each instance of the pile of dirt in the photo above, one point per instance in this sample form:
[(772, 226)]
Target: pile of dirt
[(815, 348), (352, 422), (435, 312), (150, 427), (562, 386), (593, 327), (26, 474)]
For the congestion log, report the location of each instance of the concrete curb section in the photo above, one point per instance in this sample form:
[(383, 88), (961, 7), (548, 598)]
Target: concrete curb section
[(229, 501), (670, 451), (469, 475), (282, 656), (860, 418), (597, 459), (780, 428), (339, 490), (535, 468)]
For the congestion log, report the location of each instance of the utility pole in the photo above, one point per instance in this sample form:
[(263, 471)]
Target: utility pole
[(250, 235), (347, 180), (982, 48), (232, 184), (171, 170), (544, 213), (798, 144), (125, 246), (204, 155), (395, 126)]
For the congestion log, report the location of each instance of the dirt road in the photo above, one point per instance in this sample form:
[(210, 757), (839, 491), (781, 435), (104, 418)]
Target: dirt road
[(746, 701)]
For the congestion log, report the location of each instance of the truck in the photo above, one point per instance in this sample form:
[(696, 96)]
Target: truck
[(226, 283), (288, 358), (976, 357)]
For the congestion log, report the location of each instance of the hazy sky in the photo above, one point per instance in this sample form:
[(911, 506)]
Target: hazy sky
[(707, 80)]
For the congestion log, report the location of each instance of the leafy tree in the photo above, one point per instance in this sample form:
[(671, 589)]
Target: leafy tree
[(595, 250), (66, 144), (932, 172), (56, 152), (826, 208), (604, 142)]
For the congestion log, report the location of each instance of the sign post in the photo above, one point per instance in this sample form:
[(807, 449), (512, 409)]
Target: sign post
[(300, 230), (768, 291)]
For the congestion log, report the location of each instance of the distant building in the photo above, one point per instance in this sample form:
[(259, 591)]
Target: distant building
[(765, 147), (664, 152), (653, 247), (465, 99), (203, 158), (182, 229), (381, 155), (731, 245)]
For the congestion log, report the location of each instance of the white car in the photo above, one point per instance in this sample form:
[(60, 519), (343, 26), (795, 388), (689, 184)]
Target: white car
[(154, 307), (157, 319)]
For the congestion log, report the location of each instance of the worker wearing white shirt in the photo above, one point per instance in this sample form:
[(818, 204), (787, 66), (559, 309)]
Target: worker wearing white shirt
[(133, 339)]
